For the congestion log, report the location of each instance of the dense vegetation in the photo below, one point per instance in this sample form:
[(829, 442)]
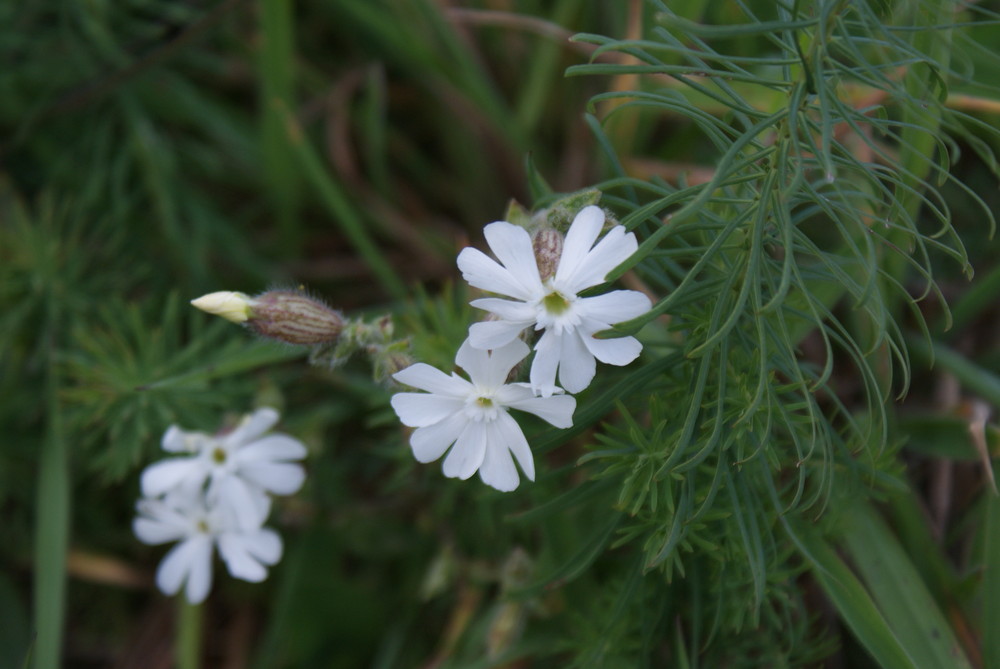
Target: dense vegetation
[(796, 471)]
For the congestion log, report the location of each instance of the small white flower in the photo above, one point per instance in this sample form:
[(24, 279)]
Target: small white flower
[(554, 305), (240, 467), (199, 528), (473, 416)]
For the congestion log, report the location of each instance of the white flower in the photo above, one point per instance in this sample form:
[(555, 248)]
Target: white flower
[(554, 305), (240, 467), (473, 416), (200, 527)]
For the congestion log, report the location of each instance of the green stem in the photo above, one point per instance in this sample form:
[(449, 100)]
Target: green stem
[(189, 626), (52, 526)]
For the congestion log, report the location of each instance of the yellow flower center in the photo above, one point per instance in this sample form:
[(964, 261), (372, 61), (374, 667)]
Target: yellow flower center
[(555, 303), (484, 402), (219, 455)]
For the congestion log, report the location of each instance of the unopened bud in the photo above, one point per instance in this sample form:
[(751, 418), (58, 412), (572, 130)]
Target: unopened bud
[(230, 305), (385, 327), (548, 246), (390, 359), (294, 318)]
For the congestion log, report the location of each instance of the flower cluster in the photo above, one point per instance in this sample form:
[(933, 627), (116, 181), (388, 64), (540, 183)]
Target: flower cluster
[(217, 494), (539, 280)]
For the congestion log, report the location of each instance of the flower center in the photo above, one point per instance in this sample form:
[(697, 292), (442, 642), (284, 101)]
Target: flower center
[(555, 303), (202, 526), (482, 407), (219, 455)]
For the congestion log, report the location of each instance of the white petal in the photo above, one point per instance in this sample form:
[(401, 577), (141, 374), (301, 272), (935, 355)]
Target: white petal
[(543, 367), (265, 545), (429, 443), (161, 476), (190, 561), (610, 252), (174, 440), (576, 363), (494, 334), (199, 580), (249, 519), (421, 409), (503, 360), (507, 310), (581, 236), (239, 562), (231, 305), (483, 272), (556, 410), (507, 395), (614, 307), (252, 426), (498, 469), (155, 531), (465, 457), (278, 478), (518, 445), (174, 567), (171, 509), (433, 380), (240, 500), (187, 499), (512, 247), (270, 448), (489, 370), (475, 362), (620, 351)]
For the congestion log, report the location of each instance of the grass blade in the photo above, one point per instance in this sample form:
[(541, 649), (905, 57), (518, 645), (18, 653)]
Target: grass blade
[(899, 591), (991, 583), (854, 604), (52, 532)]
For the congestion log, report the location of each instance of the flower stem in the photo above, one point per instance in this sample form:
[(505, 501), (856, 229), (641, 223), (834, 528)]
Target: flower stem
[(52, 531), (189, 624)]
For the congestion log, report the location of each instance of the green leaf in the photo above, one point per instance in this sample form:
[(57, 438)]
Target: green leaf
[(974, 378), (854, 604), (898, 590), (991, 582)]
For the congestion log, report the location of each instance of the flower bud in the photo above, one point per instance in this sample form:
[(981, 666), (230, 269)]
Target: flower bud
[(230, 305), (294, 318), (548, 246), (385, 327), (388, 361)]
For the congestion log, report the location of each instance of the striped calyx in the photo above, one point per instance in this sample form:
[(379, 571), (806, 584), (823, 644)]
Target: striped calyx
[(547, 245), (294, 318)]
